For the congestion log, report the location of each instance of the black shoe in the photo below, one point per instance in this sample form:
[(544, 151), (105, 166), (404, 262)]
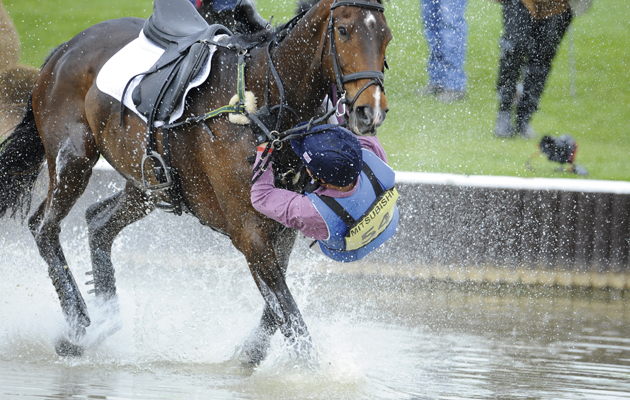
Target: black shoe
[(431, 89), (526, 131), (503, 127), (448, 96)]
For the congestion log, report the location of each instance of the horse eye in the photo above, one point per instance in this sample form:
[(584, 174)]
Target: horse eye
[(342, 31)]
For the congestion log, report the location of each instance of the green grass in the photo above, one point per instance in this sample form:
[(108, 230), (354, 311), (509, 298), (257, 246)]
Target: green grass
[(421, 134)]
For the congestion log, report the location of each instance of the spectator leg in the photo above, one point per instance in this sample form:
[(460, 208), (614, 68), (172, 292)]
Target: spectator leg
[(549, 34)]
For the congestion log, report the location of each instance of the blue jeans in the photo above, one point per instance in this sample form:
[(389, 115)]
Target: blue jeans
[(445, 30)]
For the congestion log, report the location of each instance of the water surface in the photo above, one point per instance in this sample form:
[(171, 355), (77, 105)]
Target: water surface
[(184, 314)]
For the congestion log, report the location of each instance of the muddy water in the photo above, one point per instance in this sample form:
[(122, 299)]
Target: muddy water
[(184, 314)]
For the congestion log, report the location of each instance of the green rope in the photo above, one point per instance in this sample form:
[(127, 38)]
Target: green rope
[(238, 108)]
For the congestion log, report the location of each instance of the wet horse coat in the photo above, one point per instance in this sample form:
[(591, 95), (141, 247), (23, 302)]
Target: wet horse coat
[(71, 123)]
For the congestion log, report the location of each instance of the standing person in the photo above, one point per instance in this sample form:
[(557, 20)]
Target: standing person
[(352, 211), (445, 29), (532, 32)]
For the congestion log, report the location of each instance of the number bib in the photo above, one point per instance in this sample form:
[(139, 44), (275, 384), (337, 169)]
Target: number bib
[(374, 221)]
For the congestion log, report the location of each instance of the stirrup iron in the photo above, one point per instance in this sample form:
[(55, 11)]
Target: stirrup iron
[(166, 170)]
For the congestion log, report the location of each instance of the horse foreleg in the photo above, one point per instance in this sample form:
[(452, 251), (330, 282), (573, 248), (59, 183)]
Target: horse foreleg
[(106, 220), (257, 343), (272, 285), (268, 267), (255, 347)]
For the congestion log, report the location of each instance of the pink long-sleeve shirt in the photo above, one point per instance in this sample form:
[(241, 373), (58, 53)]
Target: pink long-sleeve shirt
[(296, 210)]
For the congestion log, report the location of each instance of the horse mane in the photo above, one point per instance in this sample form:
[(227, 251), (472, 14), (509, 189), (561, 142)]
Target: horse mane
[(52, 52), (301, 8), (304, 5)]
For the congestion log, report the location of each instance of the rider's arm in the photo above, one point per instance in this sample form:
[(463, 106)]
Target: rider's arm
[(289, 208)]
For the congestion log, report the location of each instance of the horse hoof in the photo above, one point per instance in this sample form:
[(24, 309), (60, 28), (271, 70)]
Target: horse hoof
[(254, 350), (250, 356), (65, 348)]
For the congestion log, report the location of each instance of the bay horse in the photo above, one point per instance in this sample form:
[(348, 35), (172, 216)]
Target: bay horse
[(70, 124)]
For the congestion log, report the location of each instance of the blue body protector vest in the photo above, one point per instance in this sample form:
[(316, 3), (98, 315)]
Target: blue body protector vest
[(358, 205)]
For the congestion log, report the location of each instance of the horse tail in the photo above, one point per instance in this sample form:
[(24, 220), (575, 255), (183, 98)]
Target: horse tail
[(21, 157)]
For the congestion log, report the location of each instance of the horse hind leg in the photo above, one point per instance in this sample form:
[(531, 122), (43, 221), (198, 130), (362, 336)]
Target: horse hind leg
[(69, 176), (106, 220), (73, 306)]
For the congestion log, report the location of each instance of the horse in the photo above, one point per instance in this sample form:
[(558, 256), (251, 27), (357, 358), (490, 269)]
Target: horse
[(70, 124), (16, 80)]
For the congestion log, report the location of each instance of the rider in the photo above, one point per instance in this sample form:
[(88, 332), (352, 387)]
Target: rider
[(336, 161)]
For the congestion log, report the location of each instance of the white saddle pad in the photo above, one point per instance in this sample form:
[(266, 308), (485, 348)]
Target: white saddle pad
[(135, 58)]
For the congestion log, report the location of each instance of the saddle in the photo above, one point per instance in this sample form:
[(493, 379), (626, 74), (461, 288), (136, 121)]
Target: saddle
[(177, 27)]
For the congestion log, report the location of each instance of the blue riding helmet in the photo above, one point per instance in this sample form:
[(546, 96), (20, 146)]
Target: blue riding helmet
[(331, 153)]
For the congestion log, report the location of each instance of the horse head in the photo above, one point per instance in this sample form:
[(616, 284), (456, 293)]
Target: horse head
[(353, 56)]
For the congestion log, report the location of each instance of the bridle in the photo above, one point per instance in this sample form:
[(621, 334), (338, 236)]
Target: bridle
[(275, 138), (376, 77)]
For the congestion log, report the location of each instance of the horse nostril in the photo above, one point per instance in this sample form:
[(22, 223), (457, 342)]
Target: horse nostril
[(384, 114), (365, 114)]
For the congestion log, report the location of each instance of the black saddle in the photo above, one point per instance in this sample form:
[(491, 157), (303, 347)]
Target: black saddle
[(177, 27)]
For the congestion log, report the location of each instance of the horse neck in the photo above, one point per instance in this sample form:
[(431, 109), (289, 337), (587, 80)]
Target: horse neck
[(297, 59)]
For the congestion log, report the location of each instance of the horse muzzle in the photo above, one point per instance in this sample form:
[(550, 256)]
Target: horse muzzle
[(365, 119)]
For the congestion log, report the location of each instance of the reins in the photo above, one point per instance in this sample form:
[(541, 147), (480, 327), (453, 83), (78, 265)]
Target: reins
[(275, 138), (377, 77), (239, 107)]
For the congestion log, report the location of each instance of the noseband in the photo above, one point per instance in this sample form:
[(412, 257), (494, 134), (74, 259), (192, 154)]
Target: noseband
[(376, 77)]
